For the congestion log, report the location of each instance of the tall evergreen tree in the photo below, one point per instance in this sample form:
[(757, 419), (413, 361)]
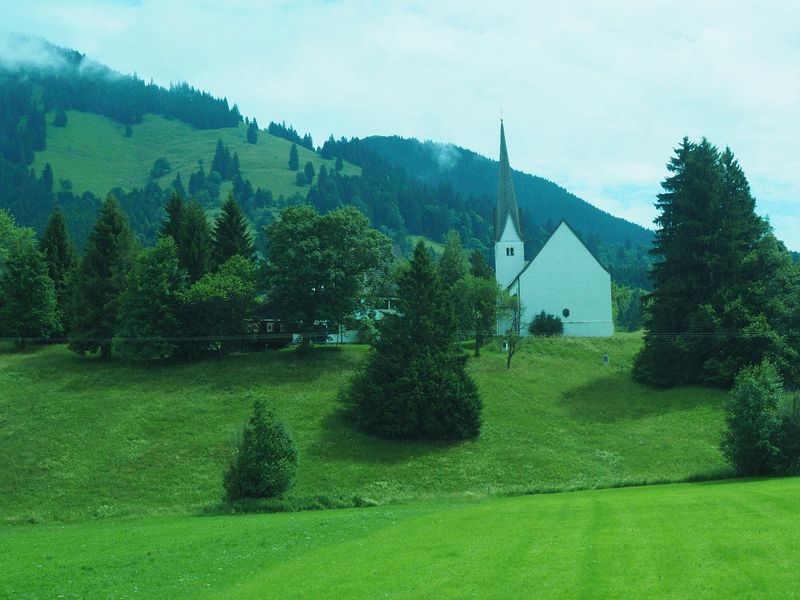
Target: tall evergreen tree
[(150, 305), (294, 160), (62, 261), (308, 171), (231, 236), (100, 280), (47, 177), (177, 185), (194, 242), (27, 295), (173, 224), (252, 132), (415, 384), (709, 313), (453, 263)]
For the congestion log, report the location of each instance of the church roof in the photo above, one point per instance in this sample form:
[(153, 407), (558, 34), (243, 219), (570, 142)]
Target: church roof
[(506, 198), (563, 223)]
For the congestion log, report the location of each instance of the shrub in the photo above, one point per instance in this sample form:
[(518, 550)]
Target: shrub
[(545, 324), (265, 463), (160, 168), (762, 435)]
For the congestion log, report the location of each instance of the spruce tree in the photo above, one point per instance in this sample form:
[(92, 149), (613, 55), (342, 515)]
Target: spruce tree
[(62, 261), (308, 171), (100, 280), (173, 224), (27, 295), (194, 242), (252, 132), (265, 462), (150, 305), (722, 282), (415, 384), (231, 236), (294, 159), (453, 263)]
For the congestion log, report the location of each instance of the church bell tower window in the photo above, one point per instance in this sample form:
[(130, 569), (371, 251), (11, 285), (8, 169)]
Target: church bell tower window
[(510, 251)]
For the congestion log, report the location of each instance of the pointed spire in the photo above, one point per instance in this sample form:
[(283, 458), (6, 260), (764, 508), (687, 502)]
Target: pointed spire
[(506, 198)]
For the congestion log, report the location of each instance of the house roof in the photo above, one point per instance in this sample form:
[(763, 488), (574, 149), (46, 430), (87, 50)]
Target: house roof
[(567, 225), (506, 197)]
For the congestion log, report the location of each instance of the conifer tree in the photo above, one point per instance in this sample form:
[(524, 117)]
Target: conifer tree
[(47, 177), (231, 236), (27, 295), (294, 160), (308, 171), (339, 164), (177, 185), (710, 313), (252, 132), (62, 261), (100, 280), (415, 384), (453, 263), (150, 305), (194, 242), (173, 224)]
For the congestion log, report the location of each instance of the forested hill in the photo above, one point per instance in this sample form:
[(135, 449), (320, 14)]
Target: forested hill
[(471, 174)]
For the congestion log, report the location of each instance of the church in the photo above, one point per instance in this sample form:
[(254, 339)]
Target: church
[(563, 279)]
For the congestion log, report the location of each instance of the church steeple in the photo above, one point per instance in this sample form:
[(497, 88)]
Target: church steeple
[(506, 198)]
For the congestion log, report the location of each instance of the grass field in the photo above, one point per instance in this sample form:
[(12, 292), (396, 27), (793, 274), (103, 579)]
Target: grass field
[(710, 540), (87, 439), (93, 152)]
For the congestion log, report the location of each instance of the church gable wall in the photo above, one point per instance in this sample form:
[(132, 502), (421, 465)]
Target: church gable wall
[(565, 275)]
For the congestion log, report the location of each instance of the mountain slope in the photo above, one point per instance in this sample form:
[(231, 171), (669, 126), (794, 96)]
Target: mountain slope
[(472, 174), (93, 152)]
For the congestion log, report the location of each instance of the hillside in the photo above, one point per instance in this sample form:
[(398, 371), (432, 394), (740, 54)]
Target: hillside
[(545, 203), (93, 152), (132, 440), (718, 540)]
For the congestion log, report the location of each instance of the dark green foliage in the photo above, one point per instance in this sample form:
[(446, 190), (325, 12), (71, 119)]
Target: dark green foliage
[(160, 168), (483, 298), (47, 177), (62, 261), (320, 266), (27, 296), (252, 132), (300, 179), (223, 163), (150, 305), (194, 242), (546, 325), (265, 462), (339, 164), (215, 309), (308, 171), (128, 131), (173, 224), (294, 160), (415, 384), (100, 280), (762, 435), (60, 120), (723, 284), (177, 185), (231, 236), (453, 264), (288, 133)]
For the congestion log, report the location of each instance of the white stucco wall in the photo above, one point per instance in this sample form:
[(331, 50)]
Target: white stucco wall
[(508, 267), (565, 275)]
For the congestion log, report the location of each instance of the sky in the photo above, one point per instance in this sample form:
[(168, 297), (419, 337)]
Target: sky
[(595, 95)]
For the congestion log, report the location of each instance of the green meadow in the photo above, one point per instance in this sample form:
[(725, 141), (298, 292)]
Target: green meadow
[(84, 439), (93, 152), (701, 540)]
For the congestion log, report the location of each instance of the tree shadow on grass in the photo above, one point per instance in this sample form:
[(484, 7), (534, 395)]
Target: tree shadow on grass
[(340, 440), (616, 397)]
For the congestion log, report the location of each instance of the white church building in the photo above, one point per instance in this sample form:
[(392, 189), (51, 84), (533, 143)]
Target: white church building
[(563, 279)]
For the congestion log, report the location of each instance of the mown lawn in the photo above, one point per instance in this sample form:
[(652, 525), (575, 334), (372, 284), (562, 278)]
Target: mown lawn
[(86, 439), (93, 152), (702, 540)]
